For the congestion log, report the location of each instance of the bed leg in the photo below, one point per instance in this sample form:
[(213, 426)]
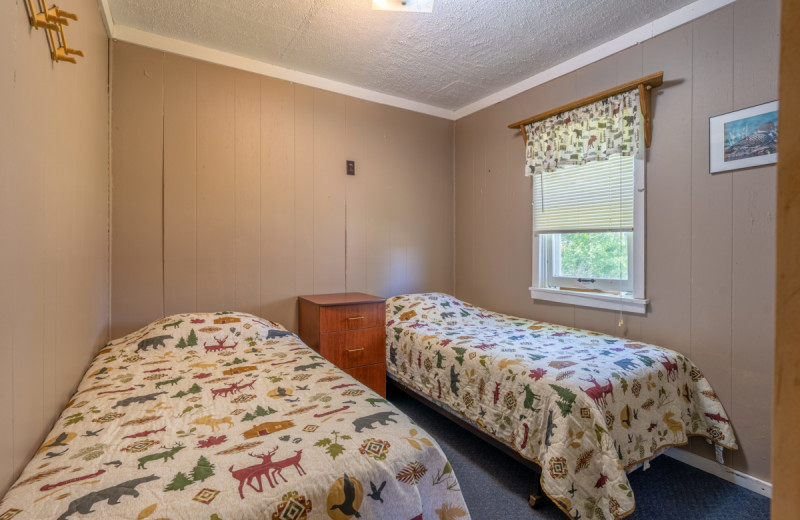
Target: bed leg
[(537, 497)]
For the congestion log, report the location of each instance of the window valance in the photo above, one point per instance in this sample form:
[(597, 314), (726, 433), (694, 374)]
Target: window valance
[(583, 131), (588, 133)]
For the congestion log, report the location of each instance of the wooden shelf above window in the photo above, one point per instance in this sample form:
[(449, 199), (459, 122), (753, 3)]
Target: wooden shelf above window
[(644, 84)]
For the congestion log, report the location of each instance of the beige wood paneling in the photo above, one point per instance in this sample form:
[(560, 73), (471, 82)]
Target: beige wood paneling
[(669, 193), (52, 237), (53, 224), (786, 418), (31, 264), (707, 236), (755, 81), (489, 198), (424, 195), (379, 185), (329, 197), (9, 16), (216, 216), (180, 185), (363, 126), (247, 205), (278, 178), (478, 206), (270, 216), (303, 194), (137, 295), (402, 201), (516, 188), (28, 264), (438, 246), (406, 199), (463, 164), (711, 235), (753, 312)]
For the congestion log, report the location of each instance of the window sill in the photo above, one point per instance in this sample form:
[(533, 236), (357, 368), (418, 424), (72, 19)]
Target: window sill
[(596, 300)]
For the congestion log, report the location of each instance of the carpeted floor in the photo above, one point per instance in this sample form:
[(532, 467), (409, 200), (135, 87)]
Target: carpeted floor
[(496, 486)]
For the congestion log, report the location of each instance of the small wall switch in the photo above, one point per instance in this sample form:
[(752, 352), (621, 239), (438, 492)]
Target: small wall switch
[(351, 167)]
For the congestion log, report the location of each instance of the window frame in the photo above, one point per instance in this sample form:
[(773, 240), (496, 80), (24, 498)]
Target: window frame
[(550, 244), (634, 301)]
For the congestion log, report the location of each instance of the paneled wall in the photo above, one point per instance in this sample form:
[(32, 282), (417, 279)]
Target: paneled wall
[(710, 238), (230, 192), (53, 223)]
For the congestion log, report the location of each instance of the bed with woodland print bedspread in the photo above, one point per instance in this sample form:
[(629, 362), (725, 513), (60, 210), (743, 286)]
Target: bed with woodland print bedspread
[(226, 417), (584, 406)]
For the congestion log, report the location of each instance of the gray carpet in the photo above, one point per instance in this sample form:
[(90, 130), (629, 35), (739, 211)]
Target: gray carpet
[(496, 486)]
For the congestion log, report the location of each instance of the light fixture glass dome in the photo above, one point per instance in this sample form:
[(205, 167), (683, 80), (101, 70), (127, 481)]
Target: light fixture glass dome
[(412, 6)]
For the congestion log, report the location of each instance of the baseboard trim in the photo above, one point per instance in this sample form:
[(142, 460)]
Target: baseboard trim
[(731, 475)]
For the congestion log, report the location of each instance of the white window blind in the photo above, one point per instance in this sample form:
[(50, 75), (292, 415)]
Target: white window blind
[(596, 196)]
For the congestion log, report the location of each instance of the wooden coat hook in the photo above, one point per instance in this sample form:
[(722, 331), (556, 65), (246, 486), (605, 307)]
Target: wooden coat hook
[(53, 20), (40, 20)]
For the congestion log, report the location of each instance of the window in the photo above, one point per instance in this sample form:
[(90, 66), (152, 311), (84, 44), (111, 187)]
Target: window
[(587, 237), (600, 260), (588, 200)]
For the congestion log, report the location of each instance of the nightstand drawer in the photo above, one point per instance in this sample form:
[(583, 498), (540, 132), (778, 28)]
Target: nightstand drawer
[(374, 376), (348, 317), (354, 348)]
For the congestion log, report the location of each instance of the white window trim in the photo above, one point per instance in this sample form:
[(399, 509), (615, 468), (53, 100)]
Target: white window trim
[(546, 267), (636, 302), (596, 300)]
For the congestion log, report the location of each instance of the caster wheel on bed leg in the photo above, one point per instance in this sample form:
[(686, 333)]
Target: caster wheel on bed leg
[(537, 500), (537, 497)]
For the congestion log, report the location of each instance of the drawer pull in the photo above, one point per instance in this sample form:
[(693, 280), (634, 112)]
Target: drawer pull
[(355, 349), (356, 318)]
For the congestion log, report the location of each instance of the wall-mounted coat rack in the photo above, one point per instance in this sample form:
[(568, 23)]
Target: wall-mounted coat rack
[(53, 20)]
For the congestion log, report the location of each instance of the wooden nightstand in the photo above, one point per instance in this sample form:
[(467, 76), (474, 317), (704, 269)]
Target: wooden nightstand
[(349, 329)]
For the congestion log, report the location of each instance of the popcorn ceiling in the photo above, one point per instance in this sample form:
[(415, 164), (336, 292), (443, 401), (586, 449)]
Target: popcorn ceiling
[(462, 52)]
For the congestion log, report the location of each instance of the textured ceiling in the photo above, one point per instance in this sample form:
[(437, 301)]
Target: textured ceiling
[(463, 51)]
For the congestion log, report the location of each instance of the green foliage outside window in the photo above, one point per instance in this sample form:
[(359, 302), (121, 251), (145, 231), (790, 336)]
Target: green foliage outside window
[(594, 255)]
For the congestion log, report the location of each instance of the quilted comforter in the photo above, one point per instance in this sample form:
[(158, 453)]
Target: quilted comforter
[(583, 405), (227, 417)]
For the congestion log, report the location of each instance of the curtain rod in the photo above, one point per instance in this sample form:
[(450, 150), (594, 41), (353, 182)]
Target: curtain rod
[(644, 84)]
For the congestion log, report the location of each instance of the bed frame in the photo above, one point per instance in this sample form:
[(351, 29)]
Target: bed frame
[(537, 496)]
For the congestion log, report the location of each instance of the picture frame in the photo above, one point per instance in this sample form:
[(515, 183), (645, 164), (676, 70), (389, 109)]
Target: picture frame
[(744, 138)]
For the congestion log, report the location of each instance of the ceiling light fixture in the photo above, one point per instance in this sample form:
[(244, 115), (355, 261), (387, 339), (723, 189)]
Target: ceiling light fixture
[(409, 6)]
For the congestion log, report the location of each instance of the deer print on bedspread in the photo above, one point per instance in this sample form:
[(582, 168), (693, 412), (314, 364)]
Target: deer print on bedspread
[(229, 416)]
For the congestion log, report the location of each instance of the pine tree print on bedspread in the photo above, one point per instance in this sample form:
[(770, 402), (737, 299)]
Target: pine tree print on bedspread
[(584, 406), (227, 416)]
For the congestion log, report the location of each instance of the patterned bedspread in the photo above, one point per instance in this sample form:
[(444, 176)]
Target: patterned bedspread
[(226, 417), (583, 405)]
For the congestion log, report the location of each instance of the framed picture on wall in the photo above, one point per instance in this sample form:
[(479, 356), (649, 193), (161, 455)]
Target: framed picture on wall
[(744, 138)]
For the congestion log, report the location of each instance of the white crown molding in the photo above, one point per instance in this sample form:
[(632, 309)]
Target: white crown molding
[(105, 12), (731, 475), (191, 50), (665, 23)]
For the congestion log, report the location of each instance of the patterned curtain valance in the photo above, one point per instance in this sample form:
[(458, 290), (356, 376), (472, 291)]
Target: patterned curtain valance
[(589, 133)]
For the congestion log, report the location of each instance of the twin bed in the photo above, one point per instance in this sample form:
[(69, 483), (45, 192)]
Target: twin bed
[(228, 415), (583, 406)]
